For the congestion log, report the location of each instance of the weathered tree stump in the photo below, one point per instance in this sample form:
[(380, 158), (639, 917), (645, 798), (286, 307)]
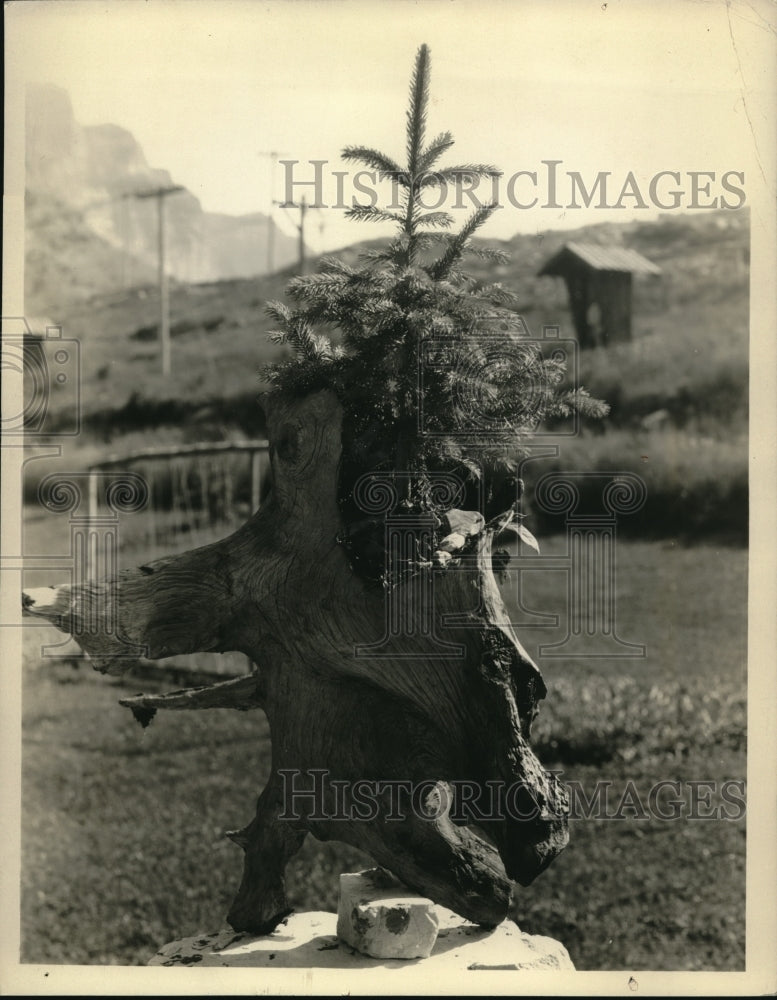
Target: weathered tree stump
[(282, 590)]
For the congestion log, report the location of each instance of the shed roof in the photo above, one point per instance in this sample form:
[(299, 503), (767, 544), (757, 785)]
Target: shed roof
[(600, 258)]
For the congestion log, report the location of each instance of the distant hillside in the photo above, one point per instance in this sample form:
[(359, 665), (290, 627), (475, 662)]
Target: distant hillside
[(678, 391), (692, 249), (697, 311), (85, 235)]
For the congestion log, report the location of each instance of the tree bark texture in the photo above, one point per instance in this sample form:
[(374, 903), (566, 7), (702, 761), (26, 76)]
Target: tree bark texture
[(445, 700)]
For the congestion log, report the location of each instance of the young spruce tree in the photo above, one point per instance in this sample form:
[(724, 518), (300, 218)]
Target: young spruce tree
[(421, 342)]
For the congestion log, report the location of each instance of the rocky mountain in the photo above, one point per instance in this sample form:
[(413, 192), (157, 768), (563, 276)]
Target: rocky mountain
[(86, 232)]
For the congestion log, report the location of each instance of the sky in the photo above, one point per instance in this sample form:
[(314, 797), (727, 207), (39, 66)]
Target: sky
[(211, 87)]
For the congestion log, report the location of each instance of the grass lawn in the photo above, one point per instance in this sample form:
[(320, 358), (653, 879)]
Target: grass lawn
[(123, 846)]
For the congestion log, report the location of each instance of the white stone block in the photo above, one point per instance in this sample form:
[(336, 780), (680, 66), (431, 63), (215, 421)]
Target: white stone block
[(466, 522), (380, 917), (452, 542)]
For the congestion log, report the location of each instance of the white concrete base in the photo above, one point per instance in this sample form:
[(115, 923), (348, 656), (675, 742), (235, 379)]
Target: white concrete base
[(380, 917), (309, 940)]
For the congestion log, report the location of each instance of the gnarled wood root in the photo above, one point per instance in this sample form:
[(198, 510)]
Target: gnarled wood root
[(412, 722)]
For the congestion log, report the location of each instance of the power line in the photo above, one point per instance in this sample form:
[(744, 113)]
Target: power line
[(164, 303), (273, 157), (304, 208)]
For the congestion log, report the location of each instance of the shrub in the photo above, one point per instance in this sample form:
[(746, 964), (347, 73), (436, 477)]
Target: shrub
[(591, 719)]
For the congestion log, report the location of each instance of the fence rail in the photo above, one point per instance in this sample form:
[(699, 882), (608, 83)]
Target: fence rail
[(193, 494)]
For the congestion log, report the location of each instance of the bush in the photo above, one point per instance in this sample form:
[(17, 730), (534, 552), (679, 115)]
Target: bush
[(699, 374), (696, 486), (592, 719)]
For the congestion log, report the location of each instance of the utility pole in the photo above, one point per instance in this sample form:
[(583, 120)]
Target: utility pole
[(301, 249), (125, 257), (273, 156), (303, 207), (164, 304), (270, 242)]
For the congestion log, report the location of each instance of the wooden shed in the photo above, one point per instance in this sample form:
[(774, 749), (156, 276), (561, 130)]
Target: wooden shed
[(599, 282)]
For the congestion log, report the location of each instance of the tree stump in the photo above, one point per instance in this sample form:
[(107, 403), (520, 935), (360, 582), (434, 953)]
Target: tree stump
[(439, 710)]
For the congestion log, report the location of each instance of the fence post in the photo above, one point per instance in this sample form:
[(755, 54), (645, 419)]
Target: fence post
[(256, 479)]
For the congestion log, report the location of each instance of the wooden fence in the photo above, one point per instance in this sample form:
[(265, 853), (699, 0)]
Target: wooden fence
[(193, 495)]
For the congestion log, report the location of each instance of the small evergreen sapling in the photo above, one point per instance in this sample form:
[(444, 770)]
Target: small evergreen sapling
[(421, 342)]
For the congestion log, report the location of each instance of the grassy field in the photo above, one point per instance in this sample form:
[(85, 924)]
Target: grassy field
[(123, 828), (123, 845)]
